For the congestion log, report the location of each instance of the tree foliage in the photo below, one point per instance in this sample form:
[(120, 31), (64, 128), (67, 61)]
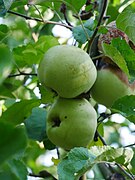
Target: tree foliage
[(27, 30)]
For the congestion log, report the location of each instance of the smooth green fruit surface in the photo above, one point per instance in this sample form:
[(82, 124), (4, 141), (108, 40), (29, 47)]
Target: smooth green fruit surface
[(111, 85), (71, 123), (68, 70)]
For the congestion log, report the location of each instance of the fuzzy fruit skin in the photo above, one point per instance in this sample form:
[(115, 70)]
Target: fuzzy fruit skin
[(78, 122), (111, 84), (67, 70)]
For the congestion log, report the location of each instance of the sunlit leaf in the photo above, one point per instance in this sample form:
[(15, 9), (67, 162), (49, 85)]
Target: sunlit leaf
[(116, 56), (19, 111), (126, 22), (33, 53), (76, 4), (127, 53), (5, 62)]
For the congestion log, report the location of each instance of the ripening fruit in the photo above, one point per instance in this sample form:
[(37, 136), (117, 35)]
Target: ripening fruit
[(67, 70), (111, 84), (71, 123)]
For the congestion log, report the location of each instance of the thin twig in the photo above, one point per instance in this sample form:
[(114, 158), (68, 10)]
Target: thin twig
[(39, 12), (58, 153), (22, 74), (101, 138), (39, 20), (42, 174), (97, 57), (98, 24), (130, 145), (126, 173)]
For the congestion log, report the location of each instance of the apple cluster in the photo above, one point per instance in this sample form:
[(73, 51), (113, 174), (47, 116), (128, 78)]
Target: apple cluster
[(70, 72)]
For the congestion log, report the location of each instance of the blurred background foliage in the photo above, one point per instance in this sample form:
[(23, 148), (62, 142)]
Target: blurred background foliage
[(26, 31)]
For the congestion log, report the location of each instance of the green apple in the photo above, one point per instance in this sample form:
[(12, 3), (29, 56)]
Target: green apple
[(67, 70), (71, 123), (111, 84)]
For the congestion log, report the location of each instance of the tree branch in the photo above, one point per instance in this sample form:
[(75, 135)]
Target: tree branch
[(39, 20), (22, 74), (100, 137), (104, 2), (42, 174), (130, 145)]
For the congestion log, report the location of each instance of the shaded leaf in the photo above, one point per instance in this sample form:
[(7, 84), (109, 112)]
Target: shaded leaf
[(4, 32), (18, 168), (35, 124), (48, 144), (82, 34), (4, 6), (19, 111), (5, 92), (13, 140), (46, 95), (126, 107)]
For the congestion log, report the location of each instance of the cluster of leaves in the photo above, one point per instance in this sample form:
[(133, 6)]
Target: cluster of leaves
[(25, 35)]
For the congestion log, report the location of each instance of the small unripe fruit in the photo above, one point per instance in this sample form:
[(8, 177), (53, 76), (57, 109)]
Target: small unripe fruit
[(71, 123), (67, 70), (111, 84)]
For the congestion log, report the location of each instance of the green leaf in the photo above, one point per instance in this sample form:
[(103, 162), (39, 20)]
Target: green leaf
[(80, 160), (19, 3), (47, 96), (19, 111), (18, 168), (126, 22), (116, 56), (5, 62), (4, 6), (5, 92), (127, 53), (13, 140), (77, 5), (82, 34), (48, 144), (33, 53), (126, 107), (110, 154), (4, 32), (35, 124), (76, 160)]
